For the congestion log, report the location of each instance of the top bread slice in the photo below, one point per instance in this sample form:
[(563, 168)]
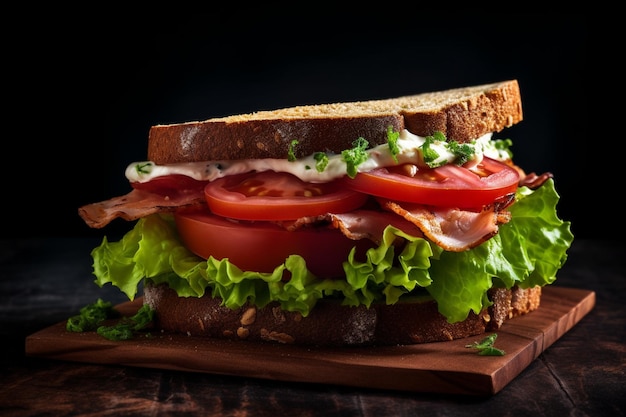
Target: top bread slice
[(462, 114)]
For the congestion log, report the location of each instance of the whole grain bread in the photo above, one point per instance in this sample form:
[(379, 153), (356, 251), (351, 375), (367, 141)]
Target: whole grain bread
[(462, 114), (330, 323)]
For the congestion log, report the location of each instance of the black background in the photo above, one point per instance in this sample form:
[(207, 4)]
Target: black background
[(83, 92)]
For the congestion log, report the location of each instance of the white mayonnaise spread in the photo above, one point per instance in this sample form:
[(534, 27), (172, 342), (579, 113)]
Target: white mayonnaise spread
[(410, 150)]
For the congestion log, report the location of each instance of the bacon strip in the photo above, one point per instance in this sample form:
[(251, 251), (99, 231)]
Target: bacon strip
[(359, 224), (133, 206), (452, 229), (370, 224), (534, 181)]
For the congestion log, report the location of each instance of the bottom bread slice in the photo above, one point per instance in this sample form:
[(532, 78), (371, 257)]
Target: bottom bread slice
[(330, 323)]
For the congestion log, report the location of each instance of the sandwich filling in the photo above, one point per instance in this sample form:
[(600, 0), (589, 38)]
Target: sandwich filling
[(415, 216)]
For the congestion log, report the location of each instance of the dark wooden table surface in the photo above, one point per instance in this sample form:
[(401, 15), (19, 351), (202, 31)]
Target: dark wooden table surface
[(45, 281)]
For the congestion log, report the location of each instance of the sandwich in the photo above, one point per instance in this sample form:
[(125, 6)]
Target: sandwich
[(389, 221)]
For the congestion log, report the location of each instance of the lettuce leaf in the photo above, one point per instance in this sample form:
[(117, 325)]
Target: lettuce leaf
[(527, 251)]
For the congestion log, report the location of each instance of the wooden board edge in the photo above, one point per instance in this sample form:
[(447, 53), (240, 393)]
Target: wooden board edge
[(571, 306)]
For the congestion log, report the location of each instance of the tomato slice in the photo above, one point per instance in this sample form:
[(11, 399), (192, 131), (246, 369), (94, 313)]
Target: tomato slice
[(262, 246), (445, 186), (273, 195)]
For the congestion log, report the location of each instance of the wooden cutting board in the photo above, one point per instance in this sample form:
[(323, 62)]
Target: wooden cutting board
[(444, 367)]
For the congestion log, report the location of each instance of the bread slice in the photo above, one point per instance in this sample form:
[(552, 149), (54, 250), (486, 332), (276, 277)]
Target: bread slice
[(462, 114), (330, 323)]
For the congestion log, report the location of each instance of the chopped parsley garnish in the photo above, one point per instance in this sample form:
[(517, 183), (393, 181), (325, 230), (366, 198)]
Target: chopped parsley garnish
[(321, 160), (438, 136), (144, 168), (392, 141), (428, 153), (127, 327), (93, 315), (461, 151), (291, 154), (485, 346), (355, 156)]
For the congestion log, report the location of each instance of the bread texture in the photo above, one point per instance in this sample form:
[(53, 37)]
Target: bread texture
[(330, 323), (462, 114)]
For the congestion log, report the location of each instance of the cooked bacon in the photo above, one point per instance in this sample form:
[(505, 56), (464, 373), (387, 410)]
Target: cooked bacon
[(534, 181), (452, 229), (370, 224), (133, 206), (359, 224), (503, 202)]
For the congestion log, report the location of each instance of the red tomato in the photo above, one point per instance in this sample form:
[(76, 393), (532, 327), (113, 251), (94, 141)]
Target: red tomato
[(170, 184), (446, 186), (262, 246), (273, 195)]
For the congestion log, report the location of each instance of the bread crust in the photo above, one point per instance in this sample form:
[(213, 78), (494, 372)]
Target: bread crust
[(462, 114), (264, 138), (330, 323)]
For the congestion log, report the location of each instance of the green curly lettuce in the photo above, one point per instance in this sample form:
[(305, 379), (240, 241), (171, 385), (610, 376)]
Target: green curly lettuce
[(527, 251)]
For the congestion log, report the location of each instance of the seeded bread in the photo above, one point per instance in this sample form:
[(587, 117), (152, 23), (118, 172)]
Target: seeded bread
[(329, 323), (462, 114)]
